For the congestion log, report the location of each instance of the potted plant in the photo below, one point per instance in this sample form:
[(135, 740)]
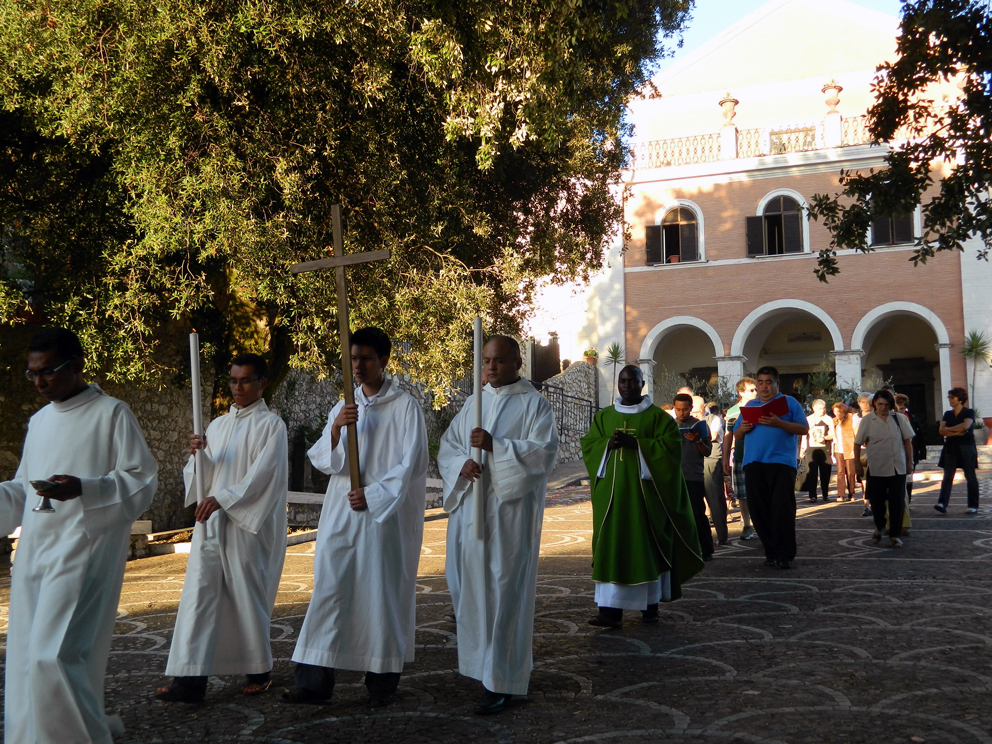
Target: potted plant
[(591, 356), (614, 356), (982, 429), (977, 348)]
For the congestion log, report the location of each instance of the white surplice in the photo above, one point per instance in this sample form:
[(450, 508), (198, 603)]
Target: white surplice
[(362, 614), (70, 565), (493, 585), (236, 558)]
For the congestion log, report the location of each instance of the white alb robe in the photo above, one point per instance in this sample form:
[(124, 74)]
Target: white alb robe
[(70, 565), (362, 614), (493, 585), (236, 558)]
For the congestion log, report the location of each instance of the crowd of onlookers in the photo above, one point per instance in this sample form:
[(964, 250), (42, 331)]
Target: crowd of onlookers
[(874, 441)]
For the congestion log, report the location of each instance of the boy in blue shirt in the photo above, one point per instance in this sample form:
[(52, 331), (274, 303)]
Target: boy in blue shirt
[(770, 470)]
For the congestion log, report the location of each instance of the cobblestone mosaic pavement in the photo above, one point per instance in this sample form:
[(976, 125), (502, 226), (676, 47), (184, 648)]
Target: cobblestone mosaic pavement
[(855, 644)]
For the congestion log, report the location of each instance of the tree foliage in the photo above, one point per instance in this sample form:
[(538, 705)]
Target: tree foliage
[(162, 165), (942, 42)]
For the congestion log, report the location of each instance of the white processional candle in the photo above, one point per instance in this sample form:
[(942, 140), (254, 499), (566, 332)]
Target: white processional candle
[(479, 517), (194, 373)]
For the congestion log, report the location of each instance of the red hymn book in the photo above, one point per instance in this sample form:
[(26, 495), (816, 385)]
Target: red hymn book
[(775, 407)]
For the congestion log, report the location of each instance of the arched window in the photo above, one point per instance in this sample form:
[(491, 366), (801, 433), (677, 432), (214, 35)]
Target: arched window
[(675, 240), (778, 230)]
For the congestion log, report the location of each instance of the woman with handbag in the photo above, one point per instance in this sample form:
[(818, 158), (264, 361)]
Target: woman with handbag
[(888, 440)]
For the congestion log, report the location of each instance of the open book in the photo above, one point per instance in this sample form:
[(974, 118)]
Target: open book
[(775, 407)]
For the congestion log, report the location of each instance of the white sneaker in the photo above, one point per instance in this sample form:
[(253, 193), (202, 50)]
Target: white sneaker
[(972, 510)]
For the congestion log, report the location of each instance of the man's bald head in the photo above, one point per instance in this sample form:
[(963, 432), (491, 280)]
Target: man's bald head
[(501, 361), (633, 369), (509, 346), (630, 383)]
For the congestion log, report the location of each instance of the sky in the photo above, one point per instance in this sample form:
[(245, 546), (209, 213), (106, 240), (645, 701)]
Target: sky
[(710, 17)]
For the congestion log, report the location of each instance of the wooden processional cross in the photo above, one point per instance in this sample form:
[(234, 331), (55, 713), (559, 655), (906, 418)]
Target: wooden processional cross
[(338, 262)]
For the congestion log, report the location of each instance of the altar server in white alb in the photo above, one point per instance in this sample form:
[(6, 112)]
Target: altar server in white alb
[(70, 564), (493, 581), (362, 613), (239, 544)]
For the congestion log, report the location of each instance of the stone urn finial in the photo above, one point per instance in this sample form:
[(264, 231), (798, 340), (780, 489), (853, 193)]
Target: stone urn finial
[(729, 104), (832, 92)]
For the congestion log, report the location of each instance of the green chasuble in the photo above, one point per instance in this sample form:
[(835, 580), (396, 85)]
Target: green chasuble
[(641, 528)]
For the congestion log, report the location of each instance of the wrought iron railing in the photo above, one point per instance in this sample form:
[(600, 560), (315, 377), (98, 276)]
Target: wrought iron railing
[(572, 414), (699, 148)]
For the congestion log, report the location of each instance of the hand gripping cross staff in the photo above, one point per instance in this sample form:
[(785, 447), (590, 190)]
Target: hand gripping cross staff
[(338, 263)]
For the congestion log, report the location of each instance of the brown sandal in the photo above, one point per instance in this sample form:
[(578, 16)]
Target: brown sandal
[(256, 688)]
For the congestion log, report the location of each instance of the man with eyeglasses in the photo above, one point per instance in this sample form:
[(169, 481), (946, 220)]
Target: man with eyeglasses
[(70, 563), (239, 544)]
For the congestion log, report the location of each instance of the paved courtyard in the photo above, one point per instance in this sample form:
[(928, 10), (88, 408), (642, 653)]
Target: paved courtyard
[(854, 644)]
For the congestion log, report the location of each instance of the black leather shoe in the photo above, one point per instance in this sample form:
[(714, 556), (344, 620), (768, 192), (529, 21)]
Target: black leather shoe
[(379, 701), (784, 564), (771, 562), (604, 621), (492, 702)]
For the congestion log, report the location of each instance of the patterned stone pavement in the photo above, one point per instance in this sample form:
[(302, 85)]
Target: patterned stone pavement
[(855, 644)]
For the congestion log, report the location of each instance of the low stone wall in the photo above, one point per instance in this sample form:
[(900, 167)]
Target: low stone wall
[(303, 402), (579, 380), (166, 419)]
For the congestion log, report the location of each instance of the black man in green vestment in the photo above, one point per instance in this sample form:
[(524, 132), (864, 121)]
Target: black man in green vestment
[(644, 541)]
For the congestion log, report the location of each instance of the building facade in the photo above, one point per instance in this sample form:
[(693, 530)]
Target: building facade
[(717, 277)]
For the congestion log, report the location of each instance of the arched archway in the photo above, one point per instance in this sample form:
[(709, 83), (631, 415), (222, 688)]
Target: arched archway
[(682, 346), (908, 344), (657, 334), (794, 336)]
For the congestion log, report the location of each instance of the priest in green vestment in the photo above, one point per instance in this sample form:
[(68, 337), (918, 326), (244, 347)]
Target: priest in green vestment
[(644, 542)]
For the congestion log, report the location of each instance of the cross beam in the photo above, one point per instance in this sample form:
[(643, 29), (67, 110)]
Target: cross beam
[(338, 262)]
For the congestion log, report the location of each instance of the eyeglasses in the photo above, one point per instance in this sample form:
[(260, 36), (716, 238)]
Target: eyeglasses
[(242, 382), (46, 374)]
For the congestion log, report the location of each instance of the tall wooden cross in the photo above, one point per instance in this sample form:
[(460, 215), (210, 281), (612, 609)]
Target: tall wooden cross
[(338, 263)]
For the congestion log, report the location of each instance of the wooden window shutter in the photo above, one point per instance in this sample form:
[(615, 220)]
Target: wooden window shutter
[(689, 250), (881, 232), (902, 229), (792, 232), (652, 244), (754, 228)]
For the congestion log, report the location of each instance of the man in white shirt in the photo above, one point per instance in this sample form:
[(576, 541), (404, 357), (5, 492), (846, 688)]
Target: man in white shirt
[(239, 544)]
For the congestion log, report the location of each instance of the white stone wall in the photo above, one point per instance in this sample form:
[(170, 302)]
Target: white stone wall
[(976, 286)]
